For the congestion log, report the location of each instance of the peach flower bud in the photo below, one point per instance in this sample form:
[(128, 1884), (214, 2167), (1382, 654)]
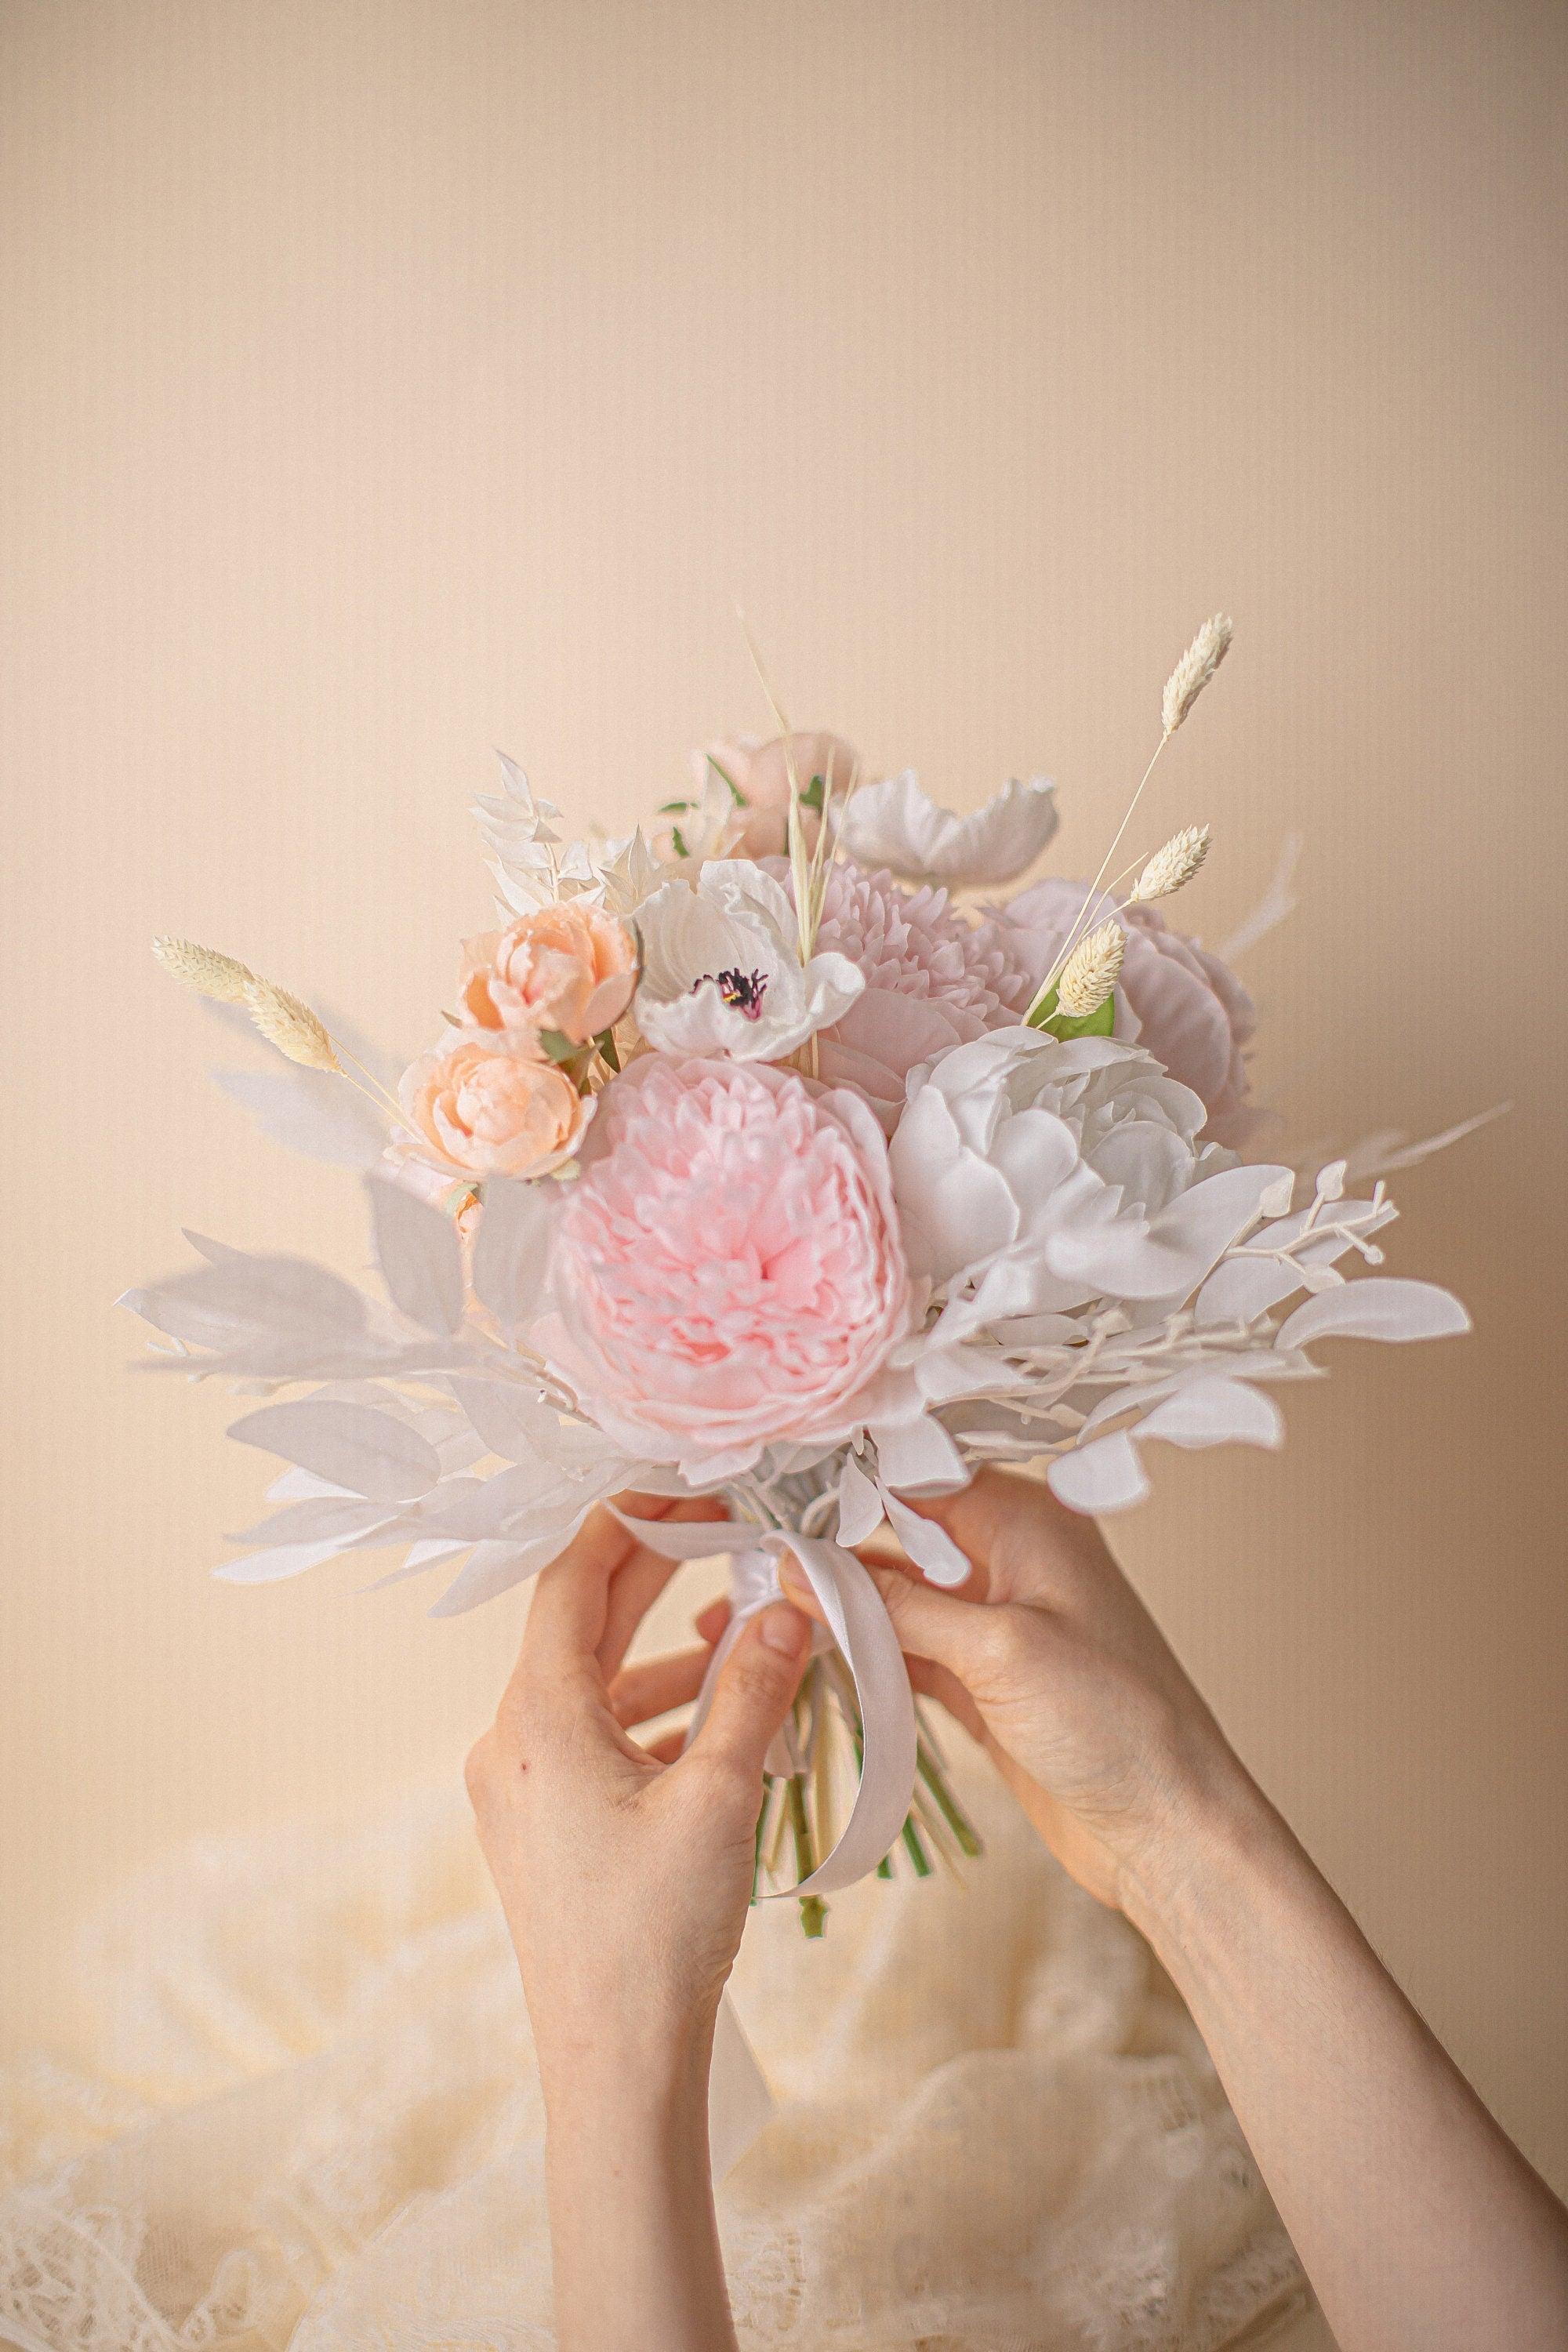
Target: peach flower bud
[(569, 967), (759, 774), (493, 1107)]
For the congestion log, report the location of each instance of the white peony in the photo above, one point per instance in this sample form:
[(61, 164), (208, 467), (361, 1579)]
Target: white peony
[(722, 973), (896, 826), (1033, 1177)]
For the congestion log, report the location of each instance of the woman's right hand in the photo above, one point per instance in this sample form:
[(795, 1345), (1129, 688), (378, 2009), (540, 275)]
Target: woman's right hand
[(1063, 1676)]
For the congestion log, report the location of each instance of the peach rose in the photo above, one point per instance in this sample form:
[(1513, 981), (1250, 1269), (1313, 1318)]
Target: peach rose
[(759, 774), (496, 1107), (569, 967)]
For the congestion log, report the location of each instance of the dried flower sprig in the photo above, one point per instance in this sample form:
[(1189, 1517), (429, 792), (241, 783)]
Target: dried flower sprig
[(203, 969), (1091, 971), (288, 1023), (1182, 688), (1171, 867), (1194, 669)]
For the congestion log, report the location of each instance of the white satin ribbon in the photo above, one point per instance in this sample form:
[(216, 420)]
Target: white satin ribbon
[(864, 1632)]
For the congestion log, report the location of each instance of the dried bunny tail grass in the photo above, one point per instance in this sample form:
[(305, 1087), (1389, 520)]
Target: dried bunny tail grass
[(203, 968), (291, 1026), (1091, 971), (1194, 669), (1172, 867)]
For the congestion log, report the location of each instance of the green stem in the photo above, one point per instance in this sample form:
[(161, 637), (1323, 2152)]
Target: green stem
[(916, 1851), (813, 1910), (953, 1813)]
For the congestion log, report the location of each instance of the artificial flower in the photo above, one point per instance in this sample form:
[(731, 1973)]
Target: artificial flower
[(726, 1273), (1175, 997), (1033, 1176), (933, 979), (721, 972), (570, 967), (493, 1105), (898, 825), (758, 775)]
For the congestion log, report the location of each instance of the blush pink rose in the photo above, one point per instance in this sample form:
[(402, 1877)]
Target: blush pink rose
[(727, 1273), (759, 774), (1186, 1007), (569, 967), (493, 1107)]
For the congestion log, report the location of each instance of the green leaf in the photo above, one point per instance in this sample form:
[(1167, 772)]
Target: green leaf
[(740, 797), (1099, 1024), (605, 1042), (673, 808), (558, 1045), (678, 844), (812, 796)]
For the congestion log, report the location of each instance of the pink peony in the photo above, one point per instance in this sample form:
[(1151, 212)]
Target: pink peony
[(933, 979), (569, 967), (493, 1107), (727, 1272), (1179, 1001)]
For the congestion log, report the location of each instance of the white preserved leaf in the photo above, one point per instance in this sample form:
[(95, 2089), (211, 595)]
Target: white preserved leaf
[(511, 1251), (311, 1111), (1105, 1476), (1382, 1307), (859, 1505), (370, 1452), (497, 1567), (1216, 1412), (931, 1548), (421, 1262), (283, 1560), (510, 1421), (343, 1517)]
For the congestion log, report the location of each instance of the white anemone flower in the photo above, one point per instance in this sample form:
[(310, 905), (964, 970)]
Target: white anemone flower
[(721, 973), (1033, 1177), (896, 826)]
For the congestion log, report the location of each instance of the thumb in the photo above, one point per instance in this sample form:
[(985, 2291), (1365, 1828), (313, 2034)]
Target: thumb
[(756, 1683)]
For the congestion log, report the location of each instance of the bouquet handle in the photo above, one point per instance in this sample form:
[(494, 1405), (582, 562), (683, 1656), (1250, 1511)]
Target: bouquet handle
[(863, 1631)]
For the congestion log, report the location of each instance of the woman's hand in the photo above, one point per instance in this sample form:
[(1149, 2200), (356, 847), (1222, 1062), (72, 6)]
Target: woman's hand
[(626, 1881), (1066, 1679), (1421, 2227)]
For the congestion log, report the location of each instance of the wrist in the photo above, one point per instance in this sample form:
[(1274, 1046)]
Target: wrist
[(647, 2069), (1217, 1844)]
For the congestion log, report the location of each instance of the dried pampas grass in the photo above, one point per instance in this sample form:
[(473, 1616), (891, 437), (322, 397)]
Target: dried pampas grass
[(203, 969), (1172, 867), (1194, 669), (1091, 971), (291, 1026)]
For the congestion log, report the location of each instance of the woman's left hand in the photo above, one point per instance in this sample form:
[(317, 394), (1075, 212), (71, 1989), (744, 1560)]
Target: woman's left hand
[(625, 1879)]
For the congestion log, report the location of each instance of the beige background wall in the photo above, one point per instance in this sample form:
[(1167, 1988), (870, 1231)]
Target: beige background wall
[(389, 382)]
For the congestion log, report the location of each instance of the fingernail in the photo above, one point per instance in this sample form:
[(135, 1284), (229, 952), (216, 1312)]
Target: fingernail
[(792, 1573), (784, 1629)]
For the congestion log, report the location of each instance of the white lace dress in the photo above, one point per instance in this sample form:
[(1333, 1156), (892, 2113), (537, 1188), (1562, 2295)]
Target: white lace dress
[(314, 2121)]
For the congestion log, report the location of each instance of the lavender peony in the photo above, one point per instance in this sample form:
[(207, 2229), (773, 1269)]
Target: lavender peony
[(1175, 998)]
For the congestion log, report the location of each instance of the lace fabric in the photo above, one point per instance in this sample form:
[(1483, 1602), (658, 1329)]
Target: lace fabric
[(314, 2121)]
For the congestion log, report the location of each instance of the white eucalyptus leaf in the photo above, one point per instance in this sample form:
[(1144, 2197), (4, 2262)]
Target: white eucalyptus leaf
[(283, 1560), (1105, 1476), (859, 1505), (1381, 1307), (1216, 1412), (370, 1452), (512, 1252), (315, 1112), (419, 1256), (931, 1548)]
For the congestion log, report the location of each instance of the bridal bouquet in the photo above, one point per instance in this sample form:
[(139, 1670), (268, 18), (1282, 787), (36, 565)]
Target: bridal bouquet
[(761, 1157)]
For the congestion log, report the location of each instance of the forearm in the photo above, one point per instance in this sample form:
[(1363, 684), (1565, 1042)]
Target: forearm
[(1421, 2227), (633, 2239)]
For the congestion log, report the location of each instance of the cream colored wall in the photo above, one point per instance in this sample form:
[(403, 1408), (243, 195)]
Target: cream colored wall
[(390, 381)]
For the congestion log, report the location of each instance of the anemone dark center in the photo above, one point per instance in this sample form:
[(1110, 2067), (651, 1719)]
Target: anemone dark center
[(741, 991)]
